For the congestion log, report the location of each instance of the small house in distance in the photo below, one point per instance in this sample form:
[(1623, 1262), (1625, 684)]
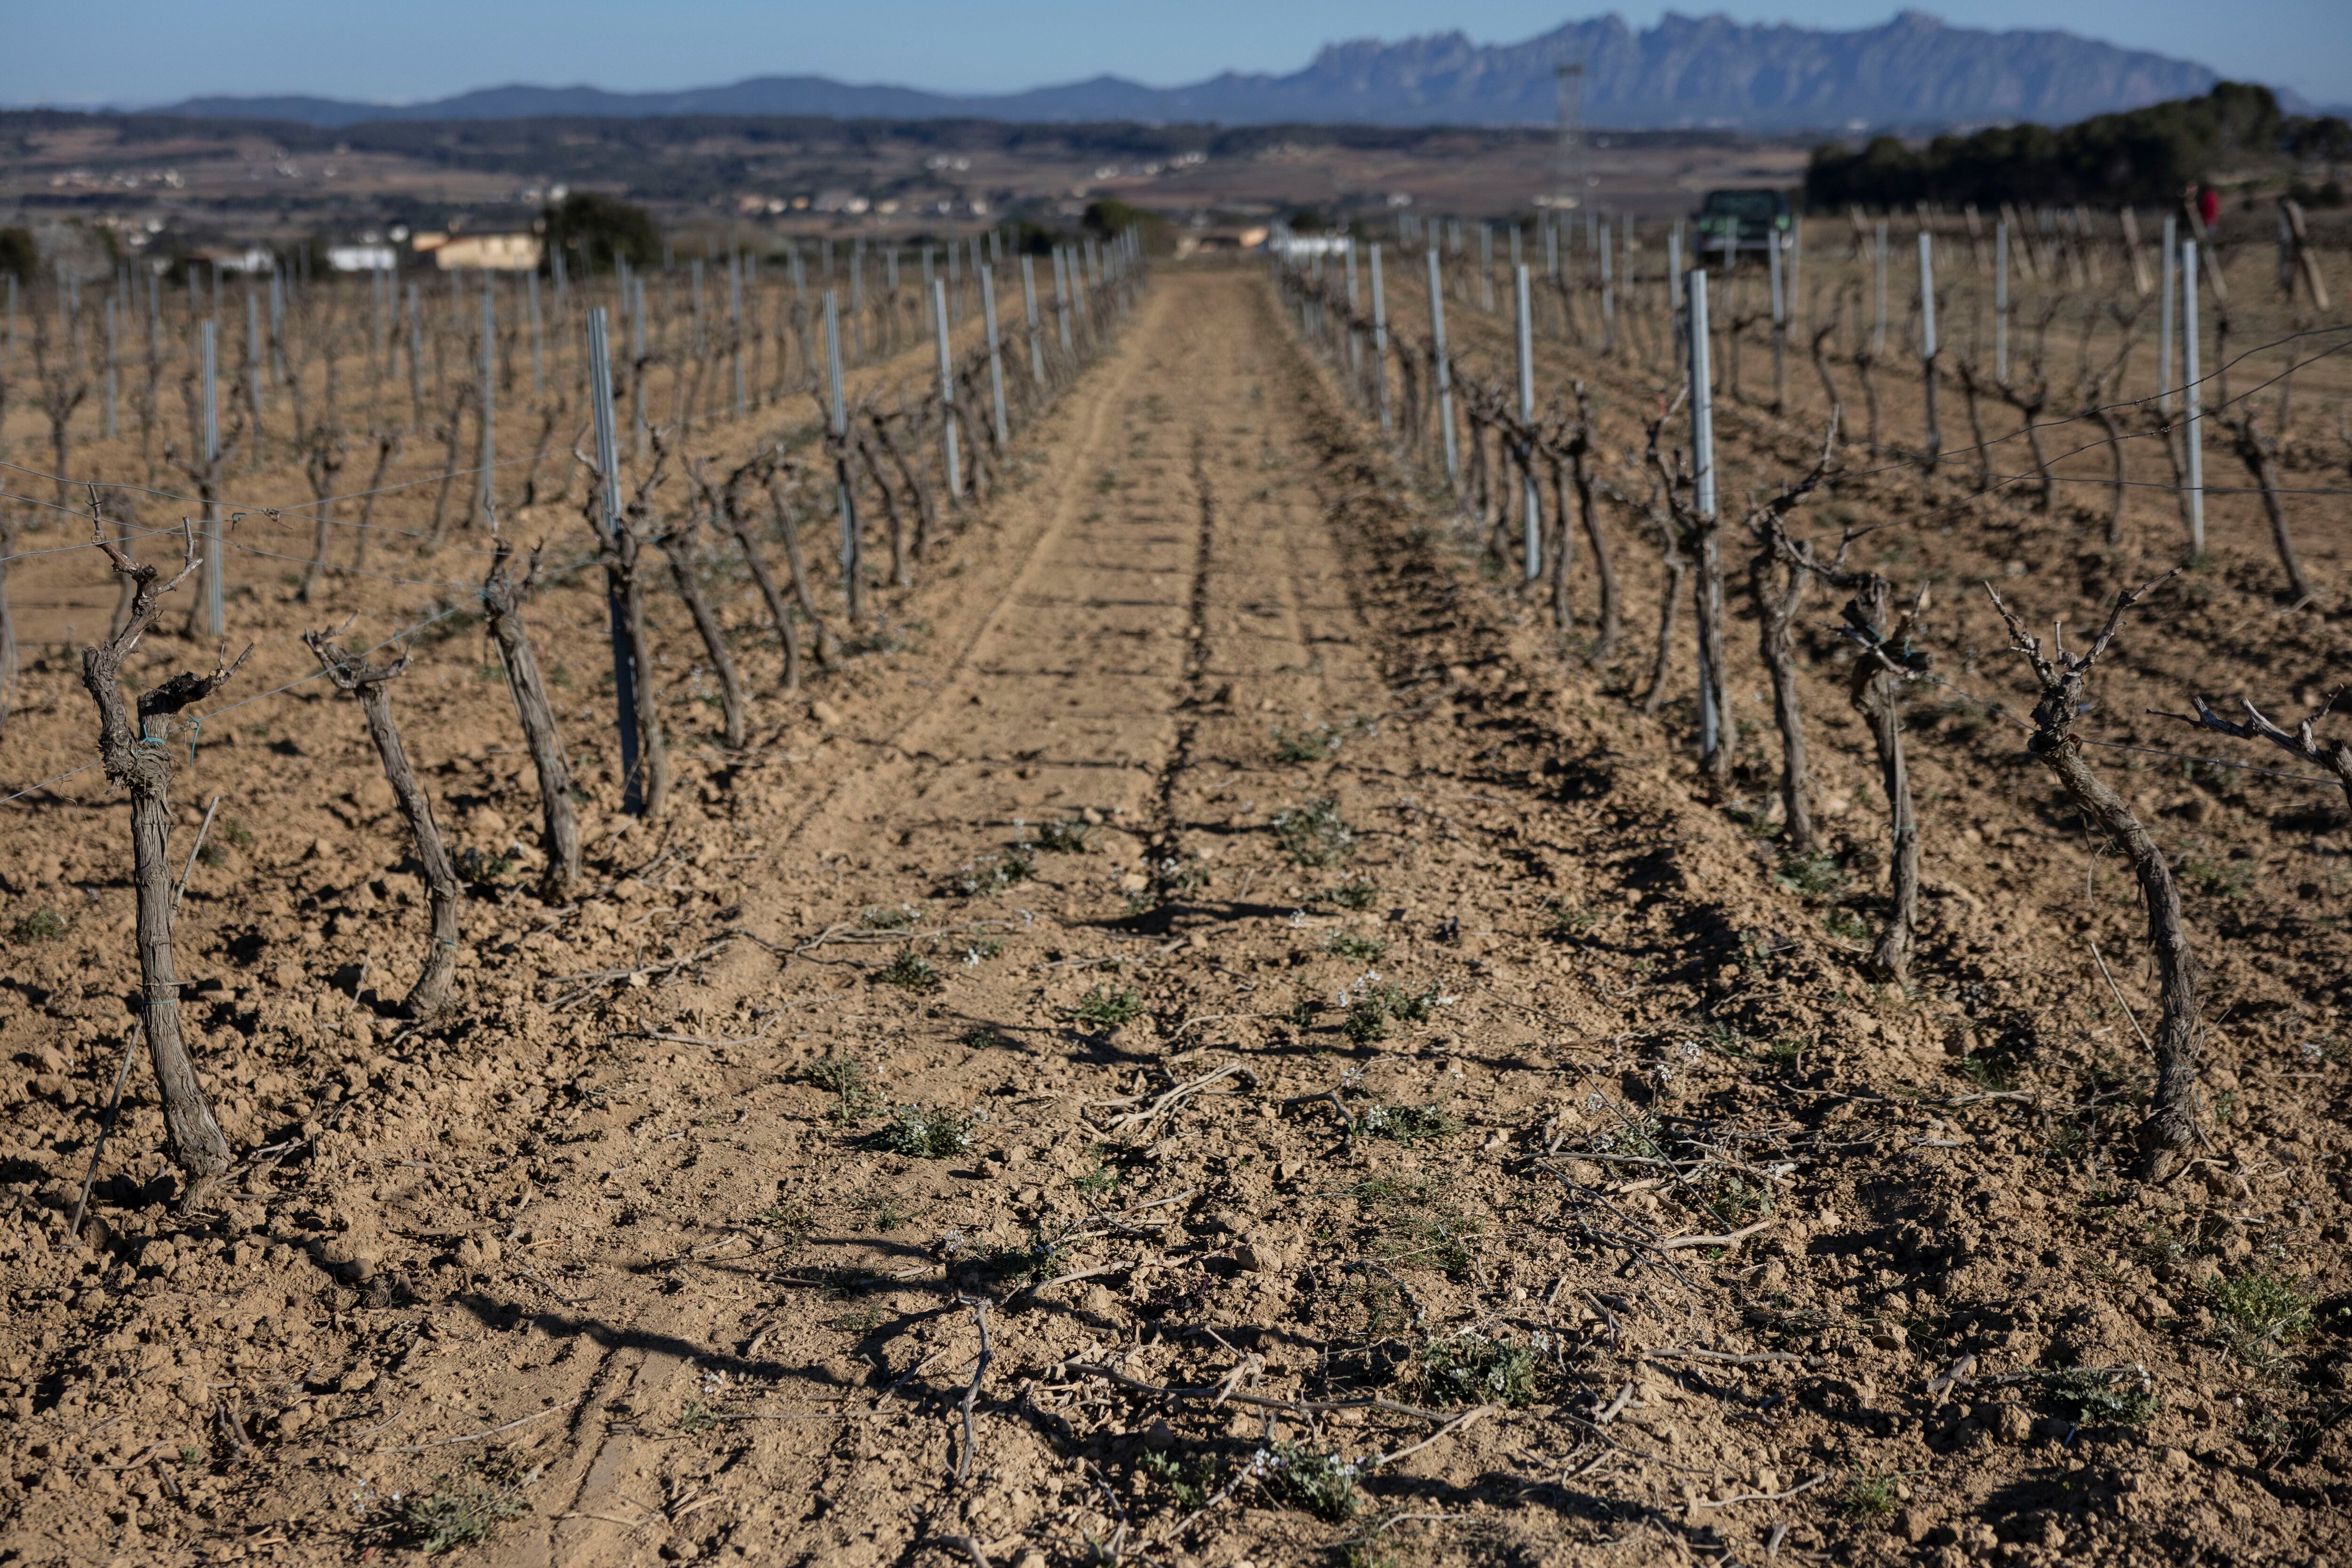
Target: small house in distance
[(480, 252), (362, 258)]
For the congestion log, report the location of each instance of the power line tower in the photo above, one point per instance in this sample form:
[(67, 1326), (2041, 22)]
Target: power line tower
[(1569, 80)]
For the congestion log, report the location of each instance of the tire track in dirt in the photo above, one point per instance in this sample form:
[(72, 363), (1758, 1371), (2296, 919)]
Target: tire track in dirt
[(1186, 640), (642, 1365), (1097, 577)]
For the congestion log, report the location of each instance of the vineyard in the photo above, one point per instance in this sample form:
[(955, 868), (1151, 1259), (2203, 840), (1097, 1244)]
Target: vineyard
[(1474, 894)]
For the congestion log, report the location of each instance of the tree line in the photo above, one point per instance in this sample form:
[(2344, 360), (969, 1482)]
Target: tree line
[(2143, 155)]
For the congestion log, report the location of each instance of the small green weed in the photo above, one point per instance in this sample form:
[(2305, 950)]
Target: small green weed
[(1406, 1124), (1304, 1008), (1314, 835), (459, 1510), (1372, 1009), (2093, 1399), (1190, 1484), (1321, 1484), (1566, 924), (980, 1038), (1355, 893), (2261, 1312), (993, 873), (1314, 743), (930, 1132), (1848, 924), (1986, 1073), (1467, 1367), (1726, 1199), (235, 831), (1170, 880), (2068, 1139), (883, 1212), (2273, 1436), (1415, 1224), (910, 970), (1816, 873), (482, 868), (1871, 1497), (862, 1320), (850, 1082), (2008, 1043), (1024, 1263), (2219, 879), (1064, 838), (1108, 1006), (903, 918), (1102, 1181), (1386, 1190), (44, 924), (1354, 947), (790, 1221), (696, 1417), (1635, 1133), (2162, 1246)]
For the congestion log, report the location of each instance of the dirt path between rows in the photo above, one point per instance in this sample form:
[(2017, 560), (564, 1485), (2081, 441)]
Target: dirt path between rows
[(1222, 950)]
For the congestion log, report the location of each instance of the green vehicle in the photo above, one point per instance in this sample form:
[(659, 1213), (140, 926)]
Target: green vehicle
[(1749, 220)]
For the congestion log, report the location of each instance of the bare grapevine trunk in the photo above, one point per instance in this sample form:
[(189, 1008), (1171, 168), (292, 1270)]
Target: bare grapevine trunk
[(828, 652), (624, 565), (1876, 679), (1776, 615), (560, 825), (1563, 550), (677, 545), (926, 513), (739, 523), (372, 684), (900, 572), (129, 744), (1669, 604), (2170, 1130), (2259, 454), (1604, 568)]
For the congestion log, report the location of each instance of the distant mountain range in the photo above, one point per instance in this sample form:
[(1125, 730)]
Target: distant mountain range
[(1708, 71)]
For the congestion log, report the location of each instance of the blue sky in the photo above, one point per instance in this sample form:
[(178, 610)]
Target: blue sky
[(150, 51)]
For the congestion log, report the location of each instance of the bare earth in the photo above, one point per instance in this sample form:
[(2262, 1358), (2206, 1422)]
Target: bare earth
[(629, 1259)]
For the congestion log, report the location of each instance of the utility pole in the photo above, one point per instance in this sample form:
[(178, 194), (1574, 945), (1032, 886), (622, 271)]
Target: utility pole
[(1568, 81)]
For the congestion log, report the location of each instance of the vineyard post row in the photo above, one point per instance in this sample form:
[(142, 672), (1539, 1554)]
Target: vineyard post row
[(288, 408), (63, 364), (628, 513), (1682, 504), (2063, 271)]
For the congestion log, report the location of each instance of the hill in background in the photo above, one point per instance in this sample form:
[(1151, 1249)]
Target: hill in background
[(1912, 72)]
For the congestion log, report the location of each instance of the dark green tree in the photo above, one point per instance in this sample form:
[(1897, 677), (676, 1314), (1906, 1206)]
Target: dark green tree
[(605, 228), (2144, 156), (1110, 217), (18, 252)]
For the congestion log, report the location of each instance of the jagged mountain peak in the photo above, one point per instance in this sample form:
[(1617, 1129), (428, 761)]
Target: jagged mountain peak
[(1913, 70)]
